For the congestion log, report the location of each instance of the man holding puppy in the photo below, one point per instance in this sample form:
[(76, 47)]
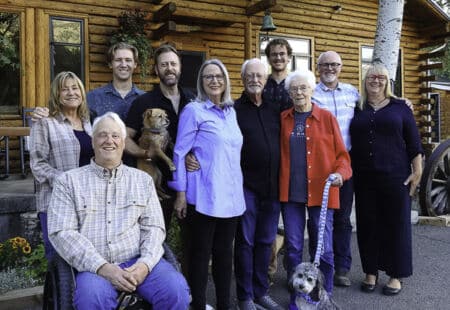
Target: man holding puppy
[(105, 220), (167, 96)]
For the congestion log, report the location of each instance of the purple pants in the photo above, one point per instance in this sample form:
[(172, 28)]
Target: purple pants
[(294, 219), (164, 288)]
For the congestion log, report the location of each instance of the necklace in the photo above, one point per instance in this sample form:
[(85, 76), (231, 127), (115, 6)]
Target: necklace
[(378, 105)]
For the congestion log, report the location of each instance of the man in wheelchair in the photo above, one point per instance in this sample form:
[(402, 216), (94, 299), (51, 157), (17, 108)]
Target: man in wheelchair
[(105, 220)]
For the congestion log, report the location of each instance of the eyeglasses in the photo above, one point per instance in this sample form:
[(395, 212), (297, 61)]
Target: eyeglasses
[(252, 76), (211, 77), (275, 55), (333, 65), (295, 90), (373, 77)]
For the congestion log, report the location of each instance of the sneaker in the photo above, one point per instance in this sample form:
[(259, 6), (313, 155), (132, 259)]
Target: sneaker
[(246, 305), (266, 302), (209, 307), (341, 279)]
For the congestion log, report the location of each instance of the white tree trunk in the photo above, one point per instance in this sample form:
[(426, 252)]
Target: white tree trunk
[(387, 37)]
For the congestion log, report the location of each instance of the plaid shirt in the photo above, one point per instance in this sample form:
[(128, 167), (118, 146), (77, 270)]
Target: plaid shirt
[(97, 216), (341, 102), (54, 148)]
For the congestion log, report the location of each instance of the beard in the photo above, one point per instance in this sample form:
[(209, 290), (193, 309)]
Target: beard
[(169, 81), (328, 78)]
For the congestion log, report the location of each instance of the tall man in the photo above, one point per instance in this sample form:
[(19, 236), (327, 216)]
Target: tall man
[(169, 96), (117, 95), (340, 99), (105, 220), (259, 121), (279, 53)]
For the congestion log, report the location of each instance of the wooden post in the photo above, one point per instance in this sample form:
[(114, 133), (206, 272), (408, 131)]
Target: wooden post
[(42, 54), (248, 42), (30, 60)]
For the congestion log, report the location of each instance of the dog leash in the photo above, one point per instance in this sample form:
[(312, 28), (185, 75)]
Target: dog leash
[(322, 219)]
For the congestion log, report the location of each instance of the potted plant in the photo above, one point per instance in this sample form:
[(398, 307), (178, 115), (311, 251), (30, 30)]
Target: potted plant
[(132, 31)]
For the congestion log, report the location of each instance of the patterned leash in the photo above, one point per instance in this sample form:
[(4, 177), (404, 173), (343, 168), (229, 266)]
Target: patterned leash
[(323, 219)]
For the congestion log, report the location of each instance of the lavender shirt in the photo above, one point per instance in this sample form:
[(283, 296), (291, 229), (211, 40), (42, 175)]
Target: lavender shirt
[(213, 135)]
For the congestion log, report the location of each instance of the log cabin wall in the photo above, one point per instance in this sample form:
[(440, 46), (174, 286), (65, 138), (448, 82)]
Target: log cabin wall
[(221, 29)]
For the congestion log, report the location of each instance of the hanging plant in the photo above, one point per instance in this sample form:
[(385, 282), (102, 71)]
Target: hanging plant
[(132, 31)]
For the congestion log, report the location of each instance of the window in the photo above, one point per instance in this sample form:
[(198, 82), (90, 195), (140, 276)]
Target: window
[(66, 46), (301, 52), (9, 63), (366, 60), (190, 64)]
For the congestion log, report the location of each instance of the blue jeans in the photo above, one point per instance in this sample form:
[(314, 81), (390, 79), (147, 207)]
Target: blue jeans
[(164, 288), (294, 228), (48, 247), (342, 228), (255, 234)]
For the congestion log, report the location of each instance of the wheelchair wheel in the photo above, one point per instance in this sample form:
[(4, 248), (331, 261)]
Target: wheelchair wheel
[(59, 286)]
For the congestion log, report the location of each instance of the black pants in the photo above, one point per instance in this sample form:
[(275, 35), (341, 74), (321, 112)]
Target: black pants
[(383, 220), (210, 236)]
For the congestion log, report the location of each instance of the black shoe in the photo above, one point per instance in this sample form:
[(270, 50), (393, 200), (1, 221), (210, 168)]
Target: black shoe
[(369, 288), (390, 291), (341, 279)]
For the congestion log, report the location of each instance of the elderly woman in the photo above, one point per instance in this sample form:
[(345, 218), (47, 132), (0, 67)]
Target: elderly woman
[(387, 163), (311, 149), (60, 142), (212, 197)]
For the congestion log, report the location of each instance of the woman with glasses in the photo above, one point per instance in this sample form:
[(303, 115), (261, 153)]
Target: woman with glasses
[(311, 149), (211, 198), (387, 163)]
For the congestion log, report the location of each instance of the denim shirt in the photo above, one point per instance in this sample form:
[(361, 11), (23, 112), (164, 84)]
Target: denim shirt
[(107, 99), (213, 135)]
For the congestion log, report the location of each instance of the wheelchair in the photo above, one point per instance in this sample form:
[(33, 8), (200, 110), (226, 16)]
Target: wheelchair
[(59, 286)]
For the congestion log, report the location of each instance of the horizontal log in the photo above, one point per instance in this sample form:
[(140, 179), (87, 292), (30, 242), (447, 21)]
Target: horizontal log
[(164, 13), (14, 131), (437, 65), (424, 90), (428, 78), (260, 6), (432, 55), (432, 43), (425, 101)]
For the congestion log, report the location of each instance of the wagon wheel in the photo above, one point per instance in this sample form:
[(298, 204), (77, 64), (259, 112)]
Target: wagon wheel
[(435, 183)]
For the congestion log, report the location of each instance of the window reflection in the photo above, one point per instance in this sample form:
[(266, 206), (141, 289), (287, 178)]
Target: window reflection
[(9, 62)]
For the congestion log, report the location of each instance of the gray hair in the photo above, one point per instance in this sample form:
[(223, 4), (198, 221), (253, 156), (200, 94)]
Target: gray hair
[(327, 53), (201, 94), (306, 74), (252, 61), (115, 118)]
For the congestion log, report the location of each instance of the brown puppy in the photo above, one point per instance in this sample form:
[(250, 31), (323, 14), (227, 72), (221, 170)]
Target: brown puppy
[(155, 137)]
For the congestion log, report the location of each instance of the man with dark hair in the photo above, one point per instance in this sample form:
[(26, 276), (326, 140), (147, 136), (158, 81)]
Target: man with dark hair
[(167, 96), (117, 95), (278, 53)]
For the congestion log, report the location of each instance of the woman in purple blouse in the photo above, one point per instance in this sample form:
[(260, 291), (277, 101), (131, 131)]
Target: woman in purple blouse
[(387, 166), (211, 198)]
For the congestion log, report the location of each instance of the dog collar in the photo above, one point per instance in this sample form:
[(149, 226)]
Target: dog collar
[(307, 298)]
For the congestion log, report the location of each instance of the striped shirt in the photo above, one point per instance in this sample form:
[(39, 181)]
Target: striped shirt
[(54, 148), (97, 216), (341, 102)]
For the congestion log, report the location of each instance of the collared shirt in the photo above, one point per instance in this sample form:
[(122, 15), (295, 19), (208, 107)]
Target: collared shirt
[(341, 102), (107, 99), (97, 216), (275, 92), (385, 141), (156, 99), (54, 148), (213, 135), (260, 156), (325, 154)]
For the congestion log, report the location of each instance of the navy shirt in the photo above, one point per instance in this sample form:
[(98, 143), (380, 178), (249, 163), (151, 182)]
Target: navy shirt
[(275, 92), (298, 185), (86, 151), (107, 99), (384, 141), (260, 155)]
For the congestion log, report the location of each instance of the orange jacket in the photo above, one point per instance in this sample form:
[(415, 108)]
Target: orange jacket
[(325, 151)]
